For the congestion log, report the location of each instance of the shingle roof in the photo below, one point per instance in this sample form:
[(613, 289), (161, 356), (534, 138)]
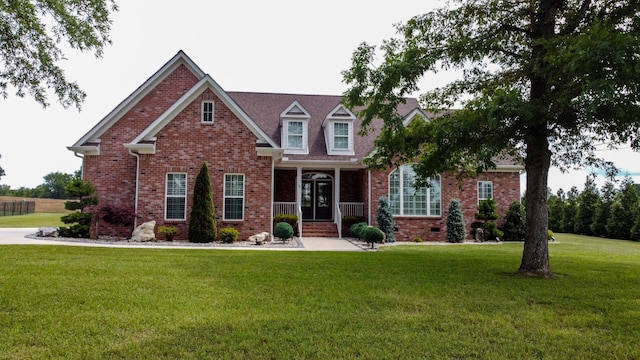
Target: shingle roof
[(265, 110)]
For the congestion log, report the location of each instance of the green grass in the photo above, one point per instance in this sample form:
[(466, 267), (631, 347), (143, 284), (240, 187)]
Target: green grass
[(32, 220), (404, 302)]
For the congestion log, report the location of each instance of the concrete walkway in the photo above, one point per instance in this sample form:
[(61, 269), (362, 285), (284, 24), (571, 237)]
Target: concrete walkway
[(17, 236)]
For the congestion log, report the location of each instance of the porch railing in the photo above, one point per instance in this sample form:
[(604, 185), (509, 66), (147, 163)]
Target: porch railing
[(352, 208), (284, 208)]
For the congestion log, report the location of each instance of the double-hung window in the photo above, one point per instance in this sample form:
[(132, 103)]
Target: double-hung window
[(207, 112), (295, 135), (341, 135), (406, 199), (485, 190), (233, 196), (176, 196)]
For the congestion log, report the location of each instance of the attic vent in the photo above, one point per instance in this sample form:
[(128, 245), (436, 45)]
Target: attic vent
[(296, 110), (341, 112)]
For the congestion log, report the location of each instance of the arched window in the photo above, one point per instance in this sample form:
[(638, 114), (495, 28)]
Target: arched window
[(406, 199)]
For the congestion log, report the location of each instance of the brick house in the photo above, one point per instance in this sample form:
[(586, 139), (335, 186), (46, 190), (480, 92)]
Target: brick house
[(267, 154)]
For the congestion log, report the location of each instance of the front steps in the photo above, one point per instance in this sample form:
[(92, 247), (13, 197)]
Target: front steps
[(319, 229)]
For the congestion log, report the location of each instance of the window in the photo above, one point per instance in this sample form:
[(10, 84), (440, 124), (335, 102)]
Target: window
[(294, 135), (207, 111), (341, 136), (485, 190), (233, 196), (176, 196), (405, 199)]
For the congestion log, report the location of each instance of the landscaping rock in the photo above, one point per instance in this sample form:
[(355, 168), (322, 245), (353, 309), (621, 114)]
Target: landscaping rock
[(47, 232), (144, 232), (260, 238)]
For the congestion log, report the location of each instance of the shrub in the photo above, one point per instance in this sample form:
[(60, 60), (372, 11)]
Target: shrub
[(486, 215), (372, 235), (283, 230), (291, 219), (117, 215), (228, 235), (514, 223), (356, 229), (550, 235), (456, 228), (349, 220), (168, 231), (79, 222), (202, 222), (384, 217), (417, 239)]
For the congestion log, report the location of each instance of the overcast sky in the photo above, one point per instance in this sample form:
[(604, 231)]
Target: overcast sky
[(265, 46)]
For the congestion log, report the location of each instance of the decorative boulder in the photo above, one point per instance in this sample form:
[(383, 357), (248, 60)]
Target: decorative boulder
[(260, 238), (144, 232), (47, 232)]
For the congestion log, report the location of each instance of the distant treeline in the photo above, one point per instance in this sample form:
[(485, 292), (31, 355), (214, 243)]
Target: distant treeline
[(611, 212), (52, 187)]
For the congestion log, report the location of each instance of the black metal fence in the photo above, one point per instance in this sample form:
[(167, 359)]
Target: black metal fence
[(10, 208)]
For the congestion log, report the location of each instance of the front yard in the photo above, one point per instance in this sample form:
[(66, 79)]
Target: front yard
[(457, 301)]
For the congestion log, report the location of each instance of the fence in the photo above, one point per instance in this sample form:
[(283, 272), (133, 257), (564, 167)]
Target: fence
[(10, 208)]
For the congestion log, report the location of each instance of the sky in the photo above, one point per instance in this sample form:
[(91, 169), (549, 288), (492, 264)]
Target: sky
[(283, 46)]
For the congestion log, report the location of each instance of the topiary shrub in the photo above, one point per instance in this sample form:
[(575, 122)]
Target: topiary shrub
[(384, 217), (284, 231), (349, 220), (486, 216), (356, 229), (202, 221), (291, 219), (372, 235), (79, 223), (456, 228), (228, 235)]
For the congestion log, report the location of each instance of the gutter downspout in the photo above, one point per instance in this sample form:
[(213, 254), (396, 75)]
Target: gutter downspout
[(135, 206), (369, 196), (75, 153)]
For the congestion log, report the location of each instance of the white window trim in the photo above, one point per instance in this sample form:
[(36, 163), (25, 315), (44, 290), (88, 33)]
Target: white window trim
[(225, 197), (305, 137), (330, 136), (202, 112), (478, 190), (428, 200), (167, 196)]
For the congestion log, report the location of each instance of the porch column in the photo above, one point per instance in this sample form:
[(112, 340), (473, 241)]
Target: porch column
[(336, 190), (299, 198)]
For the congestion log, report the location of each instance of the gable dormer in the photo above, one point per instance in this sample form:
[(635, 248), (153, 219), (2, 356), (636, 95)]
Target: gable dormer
[(294, 123), (339, 132)]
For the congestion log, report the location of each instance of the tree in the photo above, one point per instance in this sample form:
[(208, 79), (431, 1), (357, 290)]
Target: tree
[(623, 211), (385, 218), (1, 171), (555, 209), (514, 227), (456, 228), (569, 210), (202, 221), (79, 222), (587, 202), (55, 183), (486, 217), (542, 80), (31, 34), (603, 210)]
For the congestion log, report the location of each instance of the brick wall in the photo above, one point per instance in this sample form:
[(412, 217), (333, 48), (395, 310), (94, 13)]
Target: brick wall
[(506, 189)]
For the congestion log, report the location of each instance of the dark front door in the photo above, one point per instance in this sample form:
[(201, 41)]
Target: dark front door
[(317, 199)]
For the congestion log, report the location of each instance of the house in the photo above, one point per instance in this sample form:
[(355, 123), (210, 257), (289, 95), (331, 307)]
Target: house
[(267, 154)]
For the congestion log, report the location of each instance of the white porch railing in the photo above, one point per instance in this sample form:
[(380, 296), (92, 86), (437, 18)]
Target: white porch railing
[(284, 208), (351, 208)]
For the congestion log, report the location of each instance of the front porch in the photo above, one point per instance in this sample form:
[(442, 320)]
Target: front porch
[(321, 197)]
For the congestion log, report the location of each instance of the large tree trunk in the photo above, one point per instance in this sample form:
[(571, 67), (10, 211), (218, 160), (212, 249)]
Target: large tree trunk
[(535, 256)]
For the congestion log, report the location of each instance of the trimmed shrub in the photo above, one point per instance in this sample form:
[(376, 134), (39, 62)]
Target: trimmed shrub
[(79, 223), (356, 229), (284, 231), (456, 227), (228, 235), (168, 231), (486, 216), (348, 221), (385, 218), (202, 222), (372, 235), (514, 223), (291, 219)]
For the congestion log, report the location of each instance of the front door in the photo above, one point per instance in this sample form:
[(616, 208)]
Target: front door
[(317, 199)]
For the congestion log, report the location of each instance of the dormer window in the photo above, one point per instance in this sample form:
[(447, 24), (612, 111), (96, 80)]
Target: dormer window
[(338, 131), (294, 122), (207, 112)]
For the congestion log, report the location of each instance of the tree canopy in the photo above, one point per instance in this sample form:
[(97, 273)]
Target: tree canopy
[(542, 81), (31, 34)]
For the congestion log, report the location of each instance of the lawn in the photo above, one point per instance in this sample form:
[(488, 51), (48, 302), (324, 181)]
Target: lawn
[(35, 220), (452, 302)]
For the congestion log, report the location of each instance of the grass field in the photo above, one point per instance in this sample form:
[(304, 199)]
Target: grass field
[(42, 205), (404, 302)]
